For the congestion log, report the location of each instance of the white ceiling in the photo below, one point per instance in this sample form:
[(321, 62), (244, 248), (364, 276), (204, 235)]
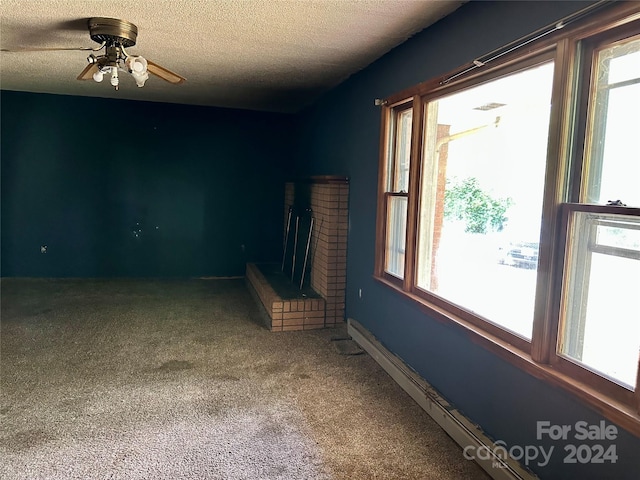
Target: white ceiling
[(275, 55)]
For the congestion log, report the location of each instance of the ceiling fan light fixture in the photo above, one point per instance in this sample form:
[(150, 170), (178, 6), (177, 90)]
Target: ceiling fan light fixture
[(115, 36)]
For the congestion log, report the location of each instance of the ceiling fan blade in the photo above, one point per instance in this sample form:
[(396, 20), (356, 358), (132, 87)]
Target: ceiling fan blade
[(89, 70), (54, 49), (164, 73)]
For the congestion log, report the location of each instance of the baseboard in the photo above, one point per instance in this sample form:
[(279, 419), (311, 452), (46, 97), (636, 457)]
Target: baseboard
[(468, 435), (233, 277)]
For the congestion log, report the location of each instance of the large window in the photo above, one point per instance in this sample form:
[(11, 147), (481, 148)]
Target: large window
[(481, 195), (510, 205)]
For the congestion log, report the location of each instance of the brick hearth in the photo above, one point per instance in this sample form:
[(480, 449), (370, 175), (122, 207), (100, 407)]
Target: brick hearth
[(328, 199)]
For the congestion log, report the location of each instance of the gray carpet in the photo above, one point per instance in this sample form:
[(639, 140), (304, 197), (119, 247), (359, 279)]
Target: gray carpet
[(167, 379)]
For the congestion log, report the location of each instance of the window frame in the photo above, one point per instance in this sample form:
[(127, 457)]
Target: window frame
[(590, 48), (572, 50), (609, 387), (388, 149), (531, 61)]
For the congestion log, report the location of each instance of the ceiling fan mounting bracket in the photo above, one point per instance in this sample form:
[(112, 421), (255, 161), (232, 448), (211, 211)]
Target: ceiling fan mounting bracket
[(113, 31)]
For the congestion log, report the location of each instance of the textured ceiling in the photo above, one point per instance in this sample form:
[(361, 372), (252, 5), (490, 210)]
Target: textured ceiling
[(275, 55)]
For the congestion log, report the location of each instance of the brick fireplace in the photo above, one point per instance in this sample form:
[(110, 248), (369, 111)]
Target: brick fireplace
[(323, 305)]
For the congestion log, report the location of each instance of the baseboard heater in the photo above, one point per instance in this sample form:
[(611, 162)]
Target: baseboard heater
[(457, 426)]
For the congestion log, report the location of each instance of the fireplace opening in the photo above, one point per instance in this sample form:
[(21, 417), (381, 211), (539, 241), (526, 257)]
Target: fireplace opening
[(306, 290), (297, 246)]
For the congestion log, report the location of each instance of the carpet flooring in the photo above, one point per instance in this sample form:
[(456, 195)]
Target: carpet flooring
[(179, 379)]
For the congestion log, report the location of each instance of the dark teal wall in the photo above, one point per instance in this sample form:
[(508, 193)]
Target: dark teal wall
[(82, 175), (341, 136)]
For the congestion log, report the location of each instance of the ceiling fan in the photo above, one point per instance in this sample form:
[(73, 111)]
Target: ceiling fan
[(114, 36)]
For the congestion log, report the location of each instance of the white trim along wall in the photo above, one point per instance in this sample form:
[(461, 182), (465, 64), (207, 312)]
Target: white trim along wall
[(468, 435)]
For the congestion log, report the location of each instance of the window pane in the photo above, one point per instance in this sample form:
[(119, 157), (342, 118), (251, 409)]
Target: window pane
[(601, 326), (614, 153), (396, 235), (402, 151), (481, 196)]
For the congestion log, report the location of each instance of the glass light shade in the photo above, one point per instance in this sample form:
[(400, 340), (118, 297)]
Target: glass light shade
[(140, 78), (136, 64)]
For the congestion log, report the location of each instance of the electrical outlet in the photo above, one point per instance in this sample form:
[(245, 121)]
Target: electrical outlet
[(43, 249), (359, 293)]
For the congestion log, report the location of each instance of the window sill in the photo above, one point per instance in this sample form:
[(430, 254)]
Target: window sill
[(611, 409)]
